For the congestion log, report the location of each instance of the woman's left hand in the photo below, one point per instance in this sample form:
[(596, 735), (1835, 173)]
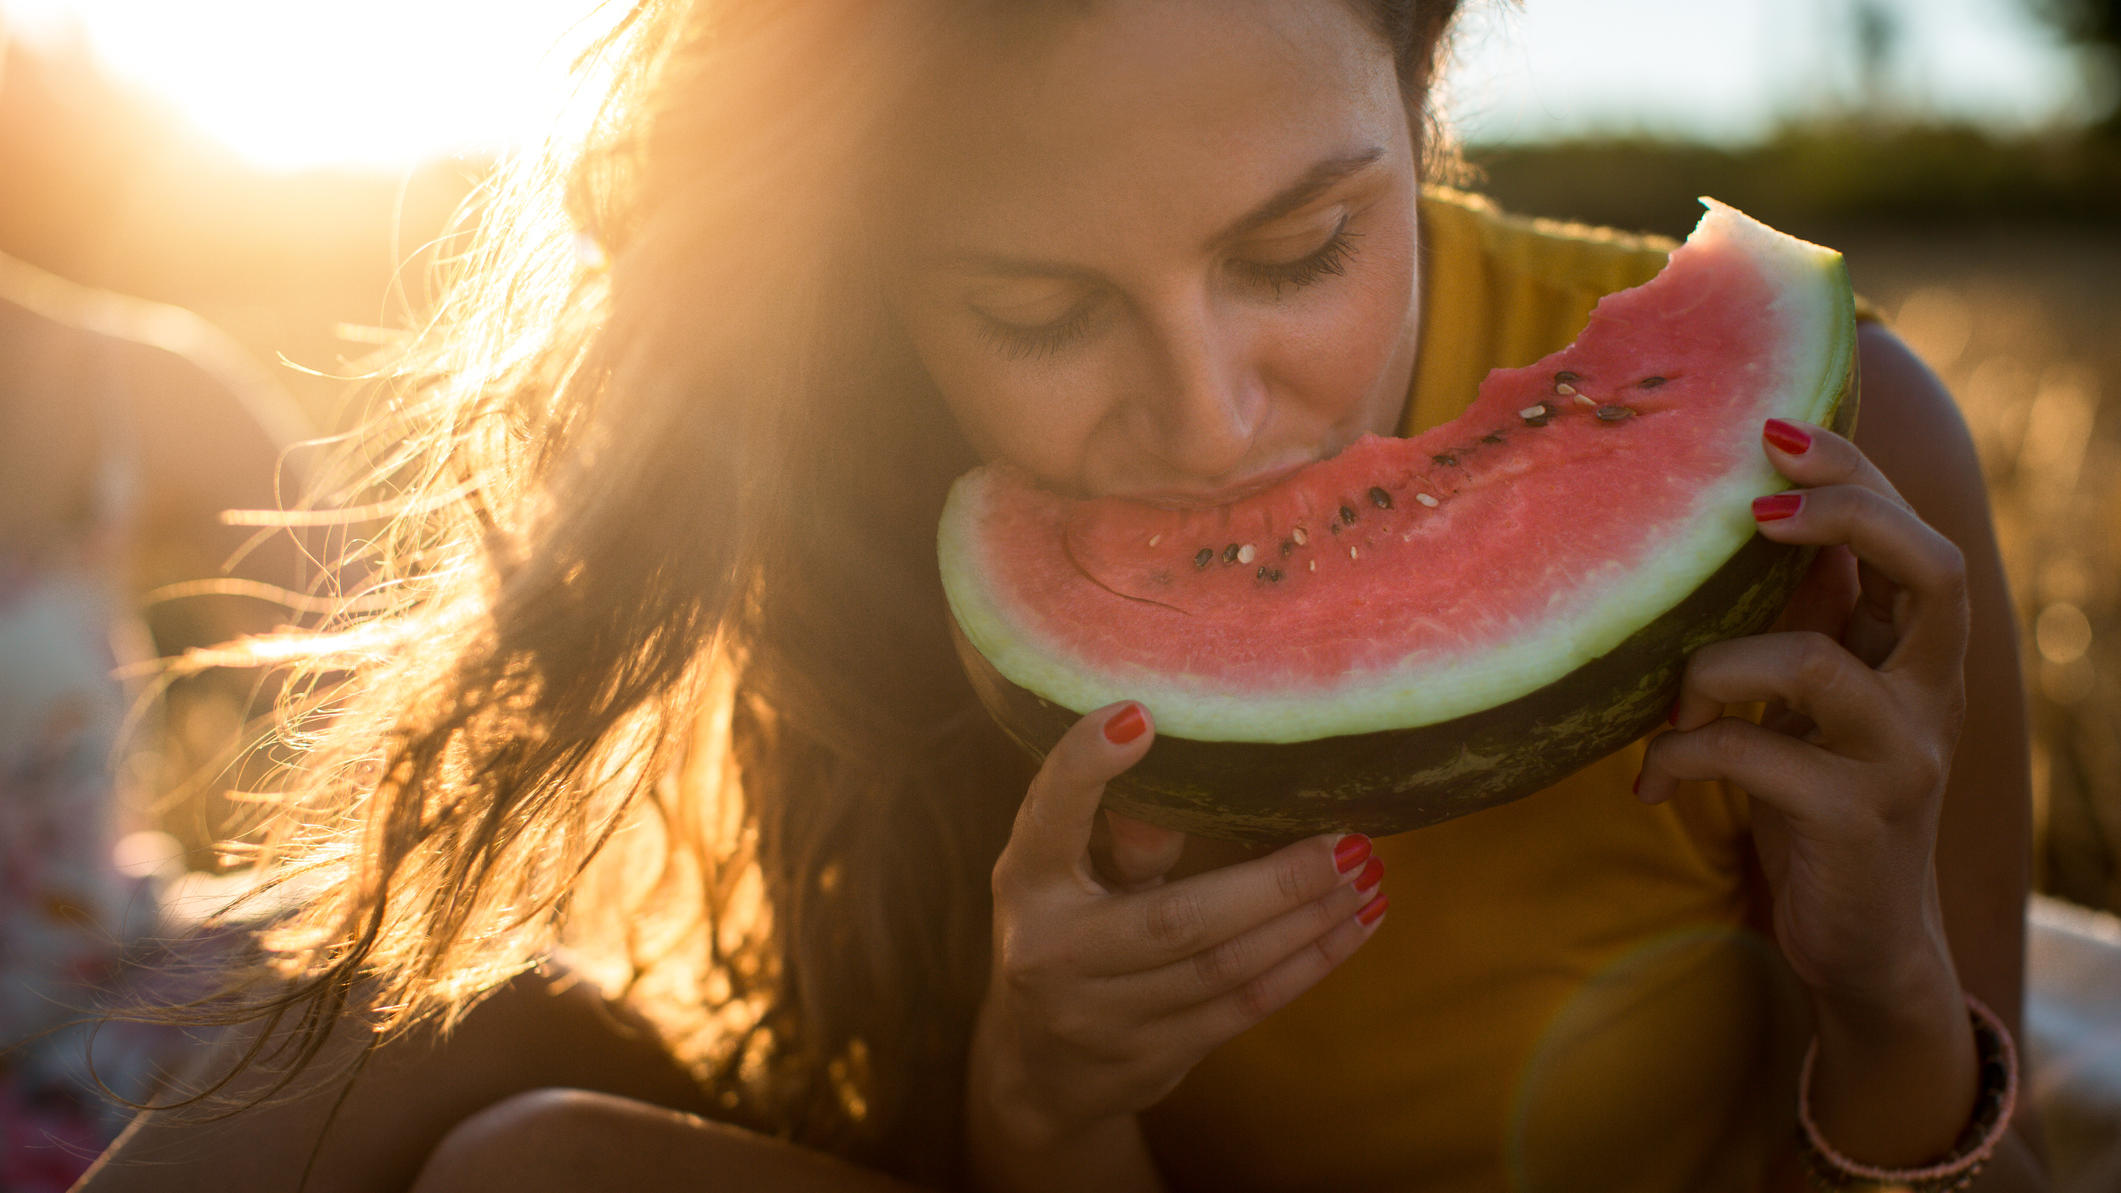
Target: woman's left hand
[(1863, 682)]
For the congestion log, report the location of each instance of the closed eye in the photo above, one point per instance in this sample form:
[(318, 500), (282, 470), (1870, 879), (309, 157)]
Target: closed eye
[(1019, 341), (1328, 260)]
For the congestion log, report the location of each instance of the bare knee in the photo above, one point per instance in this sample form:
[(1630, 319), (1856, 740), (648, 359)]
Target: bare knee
[(572, 1140), (543, 1138)]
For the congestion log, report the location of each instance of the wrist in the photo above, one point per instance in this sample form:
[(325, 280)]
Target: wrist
[(1908, 1001), (1984, 1135), (1894, 1080), (1004, 1106)]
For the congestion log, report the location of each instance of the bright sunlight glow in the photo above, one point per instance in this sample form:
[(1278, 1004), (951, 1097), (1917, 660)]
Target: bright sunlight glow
[(290, 84), (295, 83)]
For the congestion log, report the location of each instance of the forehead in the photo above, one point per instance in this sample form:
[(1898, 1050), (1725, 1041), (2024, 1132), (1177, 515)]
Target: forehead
[(1132, 114)]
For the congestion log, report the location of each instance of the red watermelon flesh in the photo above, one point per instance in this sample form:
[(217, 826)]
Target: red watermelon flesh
[(1408, 582)]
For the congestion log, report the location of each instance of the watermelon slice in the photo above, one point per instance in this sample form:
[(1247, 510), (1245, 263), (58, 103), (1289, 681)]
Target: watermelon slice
[(1418, 628)]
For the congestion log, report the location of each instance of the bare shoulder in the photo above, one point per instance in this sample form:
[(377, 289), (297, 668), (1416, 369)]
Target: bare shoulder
[(1911, 428), (373, 1132)]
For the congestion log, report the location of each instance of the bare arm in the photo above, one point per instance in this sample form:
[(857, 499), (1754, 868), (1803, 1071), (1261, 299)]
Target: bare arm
[(1912, 430)]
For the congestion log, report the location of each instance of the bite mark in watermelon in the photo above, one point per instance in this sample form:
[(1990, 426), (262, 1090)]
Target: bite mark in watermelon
[(1418, 628)]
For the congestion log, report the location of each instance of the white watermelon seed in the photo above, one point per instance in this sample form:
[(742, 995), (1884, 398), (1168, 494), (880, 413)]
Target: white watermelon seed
[(1352, 554), (1427, 500), (1155, 539), (1586, 400), (1564, 389), (1314, 565), (1245, 553), (1299, 537)]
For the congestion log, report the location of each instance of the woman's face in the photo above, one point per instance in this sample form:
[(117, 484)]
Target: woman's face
[(1170, 252)]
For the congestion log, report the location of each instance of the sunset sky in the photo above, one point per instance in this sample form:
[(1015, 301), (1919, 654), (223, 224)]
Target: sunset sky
[(297, 83)]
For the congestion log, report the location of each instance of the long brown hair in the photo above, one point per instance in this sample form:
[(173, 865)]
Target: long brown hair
[(650, 663)]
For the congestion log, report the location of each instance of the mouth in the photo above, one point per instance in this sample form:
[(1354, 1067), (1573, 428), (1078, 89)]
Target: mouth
[(1221, 495)]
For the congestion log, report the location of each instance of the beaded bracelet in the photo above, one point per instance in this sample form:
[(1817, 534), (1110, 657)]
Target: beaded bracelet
[(1997, 1057)]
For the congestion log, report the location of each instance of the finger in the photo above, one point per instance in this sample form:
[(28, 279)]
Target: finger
[(1172, 922), (1224, 1017), (1813, 457), (1138, 853), (1222, 968), (1808, 672), (1052, 832), (1826, 596), (1794, 777), (1906, 567)]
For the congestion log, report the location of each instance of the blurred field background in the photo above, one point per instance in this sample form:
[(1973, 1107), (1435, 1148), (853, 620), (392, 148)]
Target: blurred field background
[(1981, 212)]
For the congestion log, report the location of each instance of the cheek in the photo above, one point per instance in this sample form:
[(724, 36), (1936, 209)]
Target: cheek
[(1037, 413), (1343, 356)]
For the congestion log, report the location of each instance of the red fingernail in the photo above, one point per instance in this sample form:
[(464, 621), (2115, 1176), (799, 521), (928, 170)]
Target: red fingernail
[(1788, 438), (1776, 506), (1371, 875), (1126, 726), (1372, 911), (1351, 851)]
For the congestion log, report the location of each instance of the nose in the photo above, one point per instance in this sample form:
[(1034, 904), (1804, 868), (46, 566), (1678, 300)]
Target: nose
[(1202, 399)]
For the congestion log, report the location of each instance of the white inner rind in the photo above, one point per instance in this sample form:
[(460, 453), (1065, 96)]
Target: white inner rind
[(1813, 295)]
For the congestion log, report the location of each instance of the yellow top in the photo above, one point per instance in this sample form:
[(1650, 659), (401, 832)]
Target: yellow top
[(1566, 993)]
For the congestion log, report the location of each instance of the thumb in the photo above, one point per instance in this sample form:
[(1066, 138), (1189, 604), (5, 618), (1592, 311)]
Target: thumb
[(1059, 814), (1140, 853)]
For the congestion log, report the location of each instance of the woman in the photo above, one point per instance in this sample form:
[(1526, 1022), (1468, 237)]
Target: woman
[(1166, 250)]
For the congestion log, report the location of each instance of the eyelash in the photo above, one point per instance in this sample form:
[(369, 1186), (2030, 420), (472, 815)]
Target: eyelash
[(1331, 260), (1022, 343)]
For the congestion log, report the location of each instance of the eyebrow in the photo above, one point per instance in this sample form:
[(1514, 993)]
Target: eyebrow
[(1315, 181)]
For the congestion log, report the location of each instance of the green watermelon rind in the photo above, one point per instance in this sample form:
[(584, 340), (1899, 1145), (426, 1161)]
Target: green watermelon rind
[(1414, 695)]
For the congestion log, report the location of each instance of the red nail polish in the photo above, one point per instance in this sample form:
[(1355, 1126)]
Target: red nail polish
[(1126, 725), (1351, 851), (1776, 506), (1372, 911), (1788, 438), (1371, 875)]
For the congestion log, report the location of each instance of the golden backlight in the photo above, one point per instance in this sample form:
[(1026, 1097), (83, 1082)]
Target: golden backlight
[(293, 84)]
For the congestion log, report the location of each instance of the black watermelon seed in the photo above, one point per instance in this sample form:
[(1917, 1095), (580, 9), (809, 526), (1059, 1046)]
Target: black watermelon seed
[(1333, 526), (1288, 547), (1613, 414), (1347, 514), (1447, 460), (1565, 377), (1539, 420), (1274, 575), (1491, 438), (1230, 553), (1204, 557), (1650, 382), (1379, 498), (1262, 574)]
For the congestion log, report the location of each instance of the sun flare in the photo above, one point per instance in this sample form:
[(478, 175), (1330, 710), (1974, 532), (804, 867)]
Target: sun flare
[(290, 84)]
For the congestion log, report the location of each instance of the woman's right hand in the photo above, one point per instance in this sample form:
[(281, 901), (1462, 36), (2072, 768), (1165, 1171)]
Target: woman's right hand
[(1106, 989)]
